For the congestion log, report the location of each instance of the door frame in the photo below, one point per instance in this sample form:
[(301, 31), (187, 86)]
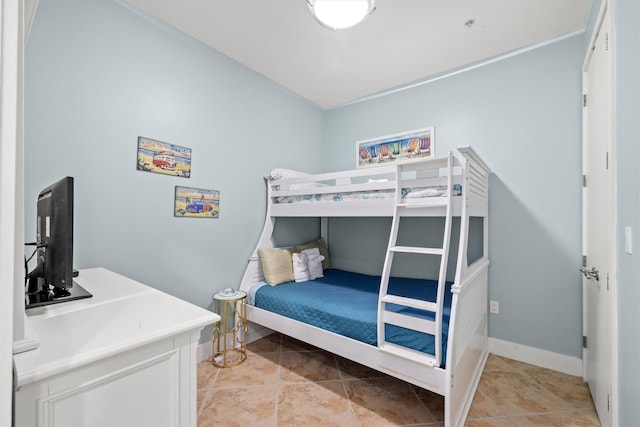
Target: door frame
[(606, 6), (11, 194)]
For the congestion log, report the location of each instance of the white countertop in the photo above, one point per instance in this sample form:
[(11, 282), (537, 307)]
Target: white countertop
[(122, 314)]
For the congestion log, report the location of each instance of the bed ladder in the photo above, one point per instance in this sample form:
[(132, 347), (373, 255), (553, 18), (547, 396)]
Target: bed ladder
[(431, 327)]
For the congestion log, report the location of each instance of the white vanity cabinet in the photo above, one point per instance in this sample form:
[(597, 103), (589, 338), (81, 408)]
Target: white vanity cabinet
[(125, 357)]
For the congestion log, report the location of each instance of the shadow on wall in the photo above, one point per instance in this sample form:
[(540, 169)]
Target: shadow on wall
[(533, 277)]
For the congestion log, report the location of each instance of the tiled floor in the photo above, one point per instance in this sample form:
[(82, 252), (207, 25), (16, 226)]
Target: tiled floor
[(285, 382)]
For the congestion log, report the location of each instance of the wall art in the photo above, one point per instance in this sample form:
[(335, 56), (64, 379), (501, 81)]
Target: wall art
[(196, 203), (410, 145), (164, 158)]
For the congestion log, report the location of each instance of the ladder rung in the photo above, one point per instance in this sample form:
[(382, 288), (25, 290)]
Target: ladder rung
[(409, 322), (417, 250), (430, 202), (408, 353), (410, 302)]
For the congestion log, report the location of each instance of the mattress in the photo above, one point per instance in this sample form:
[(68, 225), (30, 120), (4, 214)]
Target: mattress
[(346, 303), (408, 195)]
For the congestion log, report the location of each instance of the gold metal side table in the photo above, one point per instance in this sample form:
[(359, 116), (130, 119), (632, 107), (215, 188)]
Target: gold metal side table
[(230, 333)]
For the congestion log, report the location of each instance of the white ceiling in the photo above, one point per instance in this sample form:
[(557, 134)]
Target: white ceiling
[(403, 42)]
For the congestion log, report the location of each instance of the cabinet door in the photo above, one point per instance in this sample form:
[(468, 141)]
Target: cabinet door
[(141, 395), (150, 386)]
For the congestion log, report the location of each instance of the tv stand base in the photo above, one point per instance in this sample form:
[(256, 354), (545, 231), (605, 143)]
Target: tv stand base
[(56, 296)]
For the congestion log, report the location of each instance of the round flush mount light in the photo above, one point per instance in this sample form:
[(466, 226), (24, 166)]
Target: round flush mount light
[(340, 14)]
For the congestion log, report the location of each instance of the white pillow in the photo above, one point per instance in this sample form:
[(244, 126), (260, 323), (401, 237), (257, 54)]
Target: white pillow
[(278, 173), (427, 192), (321, 245), (314, 262), (300, 267)]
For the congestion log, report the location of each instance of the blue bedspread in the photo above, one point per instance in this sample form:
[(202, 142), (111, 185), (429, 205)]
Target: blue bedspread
[(347, 303)]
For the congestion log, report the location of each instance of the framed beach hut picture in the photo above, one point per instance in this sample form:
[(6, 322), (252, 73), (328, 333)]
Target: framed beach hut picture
[(384, 150)]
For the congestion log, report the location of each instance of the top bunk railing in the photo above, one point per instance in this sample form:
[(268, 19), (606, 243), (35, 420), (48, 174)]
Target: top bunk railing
[(380, 178), (372, 191)]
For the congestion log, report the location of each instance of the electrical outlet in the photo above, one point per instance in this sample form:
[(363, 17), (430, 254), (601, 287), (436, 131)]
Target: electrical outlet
[(494, 307)]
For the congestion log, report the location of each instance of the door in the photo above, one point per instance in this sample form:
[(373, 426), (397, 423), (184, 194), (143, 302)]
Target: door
[(598, 222)]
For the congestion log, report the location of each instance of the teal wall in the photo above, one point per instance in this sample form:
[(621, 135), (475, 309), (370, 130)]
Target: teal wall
[(98, 75), (523, 116), (627, 127), (92, 90)]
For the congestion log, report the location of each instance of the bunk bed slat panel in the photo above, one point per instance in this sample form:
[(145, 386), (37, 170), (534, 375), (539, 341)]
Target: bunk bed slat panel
[(471, 307), (478, 192), (469, 348), (477, 206), (478, 175), (408, 354), (410, 322), (410, 302)]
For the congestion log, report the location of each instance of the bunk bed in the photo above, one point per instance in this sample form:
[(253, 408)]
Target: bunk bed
[(428, 332)]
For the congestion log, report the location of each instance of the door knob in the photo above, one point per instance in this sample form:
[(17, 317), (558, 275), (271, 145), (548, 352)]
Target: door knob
[(590, 274)]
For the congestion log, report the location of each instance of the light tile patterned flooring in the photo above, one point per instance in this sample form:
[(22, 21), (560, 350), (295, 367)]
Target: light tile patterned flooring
[(285, 382)]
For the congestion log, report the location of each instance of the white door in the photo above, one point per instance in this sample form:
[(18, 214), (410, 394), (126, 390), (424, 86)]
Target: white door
[(598, 222)]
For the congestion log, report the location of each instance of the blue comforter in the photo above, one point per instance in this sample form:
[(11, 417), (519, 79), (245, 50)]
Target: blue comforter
[(347, 303)]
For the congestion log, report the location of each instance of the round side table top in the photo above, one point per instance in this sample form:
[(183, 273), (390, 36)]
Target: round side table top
[(229, 294)]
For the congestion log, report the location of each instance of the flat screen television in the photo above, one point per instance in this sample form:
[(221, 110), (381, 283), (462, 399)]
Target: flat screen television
[(51, 281)]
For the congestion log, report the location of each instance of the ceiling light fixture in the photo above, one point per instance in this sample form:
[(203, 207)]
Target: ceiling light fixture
[(341, 14)]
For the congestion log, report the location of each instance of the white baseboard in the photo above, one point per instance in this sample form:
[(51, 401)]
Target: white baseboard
[(257, 332), (254, 333), (535, 356), (203, 352)]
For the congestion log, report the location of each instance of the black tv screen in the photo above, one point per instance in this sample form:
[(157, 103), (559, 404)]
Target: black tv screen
[(51, 281), (54, 233)]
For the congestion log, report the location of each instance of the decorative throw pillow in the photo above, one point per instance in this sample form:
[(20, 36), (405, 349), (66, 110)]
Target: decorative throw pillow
[(321, 245), (276, 265), (300, 267), (314, 262)]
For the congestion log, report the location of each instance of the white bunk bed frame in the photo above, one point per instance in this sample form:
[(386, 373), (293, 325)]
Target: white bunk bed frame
[(467, 347)]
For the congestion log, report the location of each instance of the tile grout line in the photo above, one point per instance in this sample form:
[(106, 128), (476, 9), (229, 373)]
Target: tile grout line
[(346, 392), (276, 404), (424, 405)]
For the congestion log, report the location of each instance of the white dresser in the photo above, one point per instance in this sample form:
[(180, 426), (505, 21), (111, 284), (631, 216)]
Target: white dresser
[(125, 357)]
